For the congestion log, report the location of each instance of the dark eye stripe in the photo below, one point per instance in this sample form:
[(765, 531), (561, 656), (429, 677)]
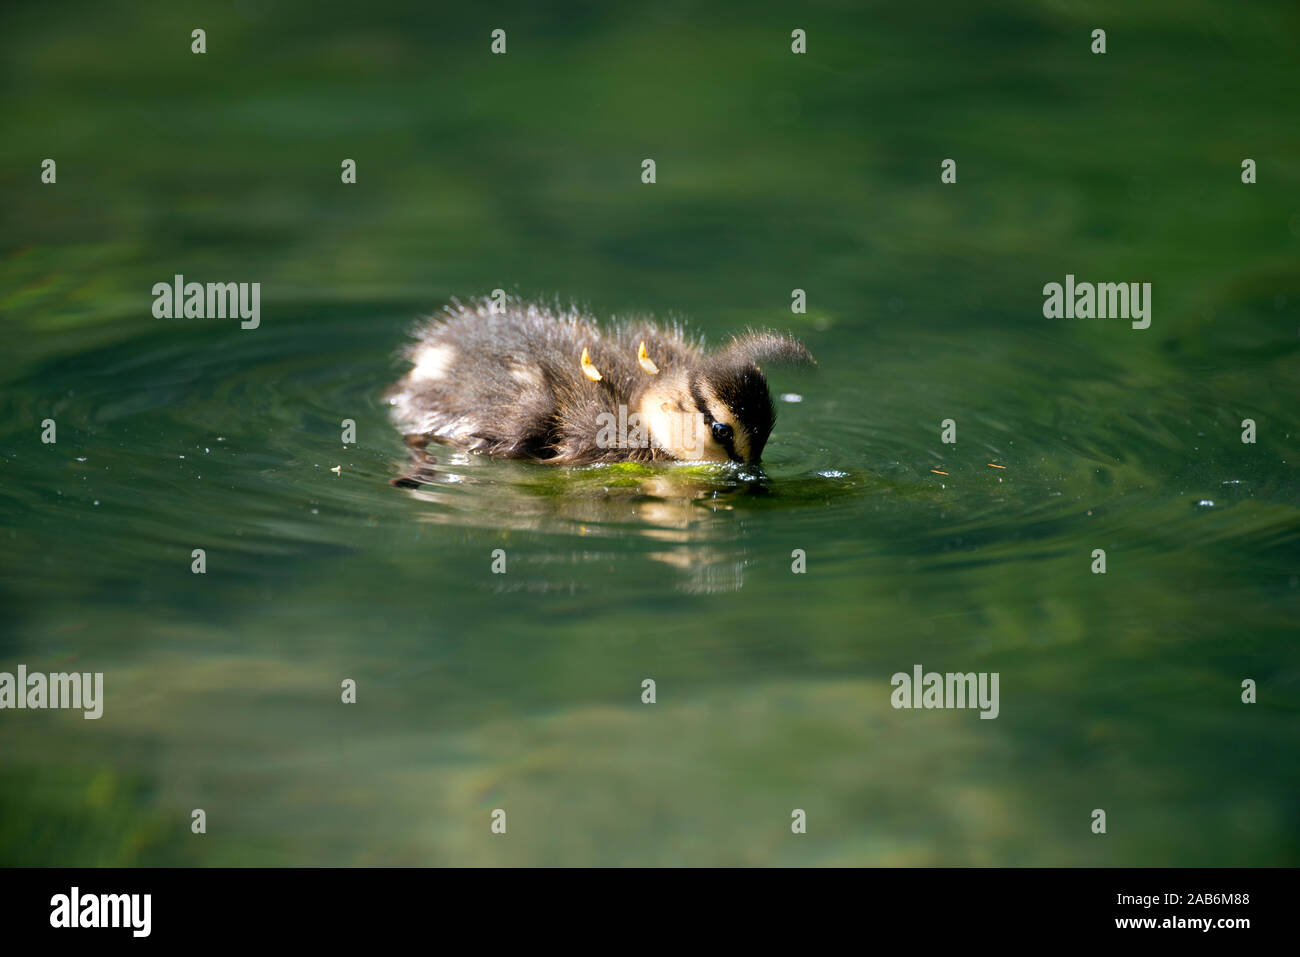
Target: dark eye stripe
[(700, 405), (729, 446)]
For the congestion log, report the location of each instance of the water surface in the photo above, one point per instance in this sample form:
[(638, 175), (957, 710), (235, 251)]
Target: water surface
[(522, 691)]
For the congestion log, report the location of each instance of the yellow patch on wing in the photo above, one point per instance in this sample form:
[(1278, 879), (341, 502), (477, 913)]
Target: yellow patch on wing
[(646, 362)]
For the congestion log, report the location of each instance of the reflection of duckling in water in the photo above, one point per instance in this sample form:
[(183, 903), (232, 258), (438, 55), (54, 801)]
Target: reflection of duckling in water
[(525, 382)]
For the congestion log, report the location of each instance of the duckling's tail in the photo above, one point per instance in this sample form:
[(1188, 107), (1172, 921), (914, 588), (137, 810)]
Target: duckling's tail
[(760, 346)]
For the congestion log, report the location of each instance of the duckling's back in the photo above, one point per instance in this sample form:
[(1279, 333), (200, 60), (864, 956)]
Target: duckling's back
[(508, 380)]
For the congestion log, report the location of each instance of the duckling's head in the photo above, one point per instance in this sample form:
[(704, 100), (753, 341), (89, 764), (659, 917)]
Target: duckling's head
[(721, 410)]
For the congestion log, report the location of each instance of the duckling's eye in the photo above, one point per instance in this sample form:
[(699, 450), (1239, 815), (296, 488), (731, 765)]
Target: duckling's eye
[(721, 433)]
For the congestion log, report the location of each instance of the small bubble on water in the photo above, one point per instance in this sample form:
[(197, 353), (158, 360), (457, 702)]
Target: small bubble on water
[(832, 473), (81, 459), (791, 397), (1206, 503)]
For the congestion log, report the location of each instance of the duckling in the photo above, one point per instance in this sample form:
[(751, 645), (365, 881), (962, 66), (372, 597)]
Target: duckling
[(518, 380)]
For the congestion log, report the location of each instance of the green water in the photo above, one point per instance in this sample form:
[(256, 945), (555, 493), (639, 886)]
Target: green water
[(522, 691)]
